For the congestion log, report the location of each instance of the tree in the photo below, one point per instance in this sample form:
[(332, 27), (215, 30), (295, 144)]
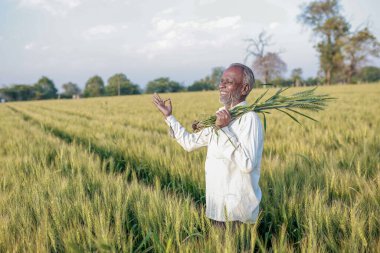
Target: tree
[(369, 74), (216, 75), (358, 47), (18, 92), (269, 66), (266, 65), (203, 84), (119, 84), (45, 89), (324, 17), (94, 87), (70, 89), (279, 82), (163, 84), (312, 81), (256, 47), (296, 76), (210, 82)]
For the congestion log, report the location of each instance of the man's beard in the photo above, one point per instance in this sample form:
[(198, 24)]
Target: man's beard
[(230, 98)]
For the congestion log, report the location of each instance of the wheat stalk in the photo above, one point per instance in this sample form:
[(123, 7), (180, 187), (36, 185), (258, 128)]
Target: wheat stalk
[(293, 104)]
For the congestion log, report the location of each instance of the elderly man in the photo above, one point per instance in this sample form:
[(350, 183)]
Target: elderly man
[(233, 155)]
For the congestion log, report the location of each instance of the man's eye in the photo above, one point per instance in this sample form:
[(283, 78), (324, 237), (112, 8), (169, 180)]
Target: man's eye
[(229, 82)]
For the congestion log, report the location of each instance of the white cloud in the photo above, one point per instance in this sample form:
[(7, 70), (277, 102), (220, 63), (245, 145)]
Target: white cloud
[(273, 25), (162, 25), (205, 2), (200, 25), (100, 31), (29, 46), (167, 11), (54, 7), (169, 35), (45, 47), (36, 46)]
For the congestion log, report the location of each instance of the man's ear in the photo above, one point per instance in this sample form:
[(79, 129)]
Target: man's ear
[(245, 89)]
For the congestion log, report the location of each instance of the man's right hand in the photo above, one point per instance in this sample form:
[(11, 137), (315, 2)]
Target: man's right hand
[(166, 110)]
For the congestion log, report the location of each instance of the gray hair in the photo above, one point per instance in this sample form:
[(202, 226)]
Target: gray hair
[(248, 77)]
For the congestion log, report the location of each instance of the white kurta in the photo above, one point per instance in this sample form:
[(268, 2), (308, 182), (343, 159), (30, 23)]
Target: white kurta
[(232, 166)]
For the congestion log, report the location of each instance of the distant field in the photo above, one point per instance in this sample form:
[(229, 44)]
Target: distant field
[(102, 174)]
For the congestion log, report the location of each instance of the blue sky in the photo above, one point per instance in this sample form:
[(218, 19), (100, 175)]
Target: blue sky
[(72, 40)]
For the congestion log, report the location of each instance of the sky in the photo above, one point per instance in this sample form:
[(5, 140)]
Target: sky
[(72, 40)]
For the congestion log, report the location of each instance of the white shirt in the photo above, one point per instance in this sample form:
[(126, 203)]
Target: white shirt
[(232, 166)]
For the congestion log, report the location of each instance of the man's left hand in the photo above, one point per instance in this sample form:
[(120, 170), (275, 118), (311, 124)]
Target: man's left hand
[(223, 118)]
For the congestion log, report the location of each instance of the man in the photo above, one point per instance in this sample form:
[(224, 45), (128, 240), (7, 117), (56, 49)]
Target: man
[(233, 155)]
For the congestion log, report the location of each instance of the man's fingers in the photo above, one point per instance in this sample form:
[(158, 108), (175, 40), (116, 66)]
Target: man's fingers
[(158, 104), (223, 114), (156, 96), (226, 114), (158, 100)]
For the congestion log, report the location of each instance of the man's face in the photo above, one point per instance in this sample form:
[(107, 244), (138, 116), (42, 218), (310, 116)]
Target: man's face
[(230, 86)]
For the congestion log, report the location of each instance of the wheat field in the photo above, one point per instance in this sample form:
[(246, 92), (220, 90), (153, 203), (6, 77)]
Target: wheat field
[(103, 175)]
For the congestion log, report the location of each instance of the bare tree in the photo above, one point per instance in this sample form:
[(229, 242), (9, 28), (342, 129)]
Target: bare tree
[(269, 66), (266, 65), (256, 47)]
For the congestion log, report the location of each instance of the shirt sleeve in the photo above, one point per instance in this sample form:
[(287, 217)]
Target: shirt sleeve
[(244, 147), (189, 141)]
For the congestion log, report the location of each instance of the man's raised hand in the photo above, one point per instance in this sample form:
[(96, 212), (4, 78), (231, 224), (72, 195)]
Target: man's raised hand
[(166, 110)]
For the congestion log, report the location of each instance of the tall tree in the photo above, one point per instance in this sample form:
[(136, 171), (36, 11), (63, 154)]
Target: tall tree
[(70, 89), (266, 65), (94, 87), (296, 76), (119, 84), (216, 75), (45, 89), (330, 29), (358, 48), (163, 84)]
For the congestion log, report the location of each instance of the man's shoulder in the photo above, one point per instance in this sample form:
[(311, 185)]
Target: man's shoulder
[(250, 120), (250, 116)]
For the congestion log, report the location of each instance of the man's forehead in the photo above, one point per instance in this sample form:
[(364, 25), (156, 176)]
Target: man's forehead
[(234, 69)]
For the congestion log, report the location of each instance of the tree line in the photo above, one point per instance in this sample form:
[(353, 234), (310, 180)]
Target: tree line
[(117, 85)]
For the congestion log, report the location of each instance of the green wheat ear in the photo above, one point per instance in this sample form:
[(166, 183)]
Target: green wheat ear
[(302, 101)]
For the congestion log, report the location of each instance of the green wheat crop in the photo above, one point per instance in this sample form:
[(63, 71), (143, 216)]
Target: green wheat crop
[(103, 175)]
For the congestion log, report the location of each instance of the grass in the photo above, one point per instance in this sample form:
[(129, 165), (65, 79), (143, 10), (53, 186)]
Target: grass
[(102, 175)]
